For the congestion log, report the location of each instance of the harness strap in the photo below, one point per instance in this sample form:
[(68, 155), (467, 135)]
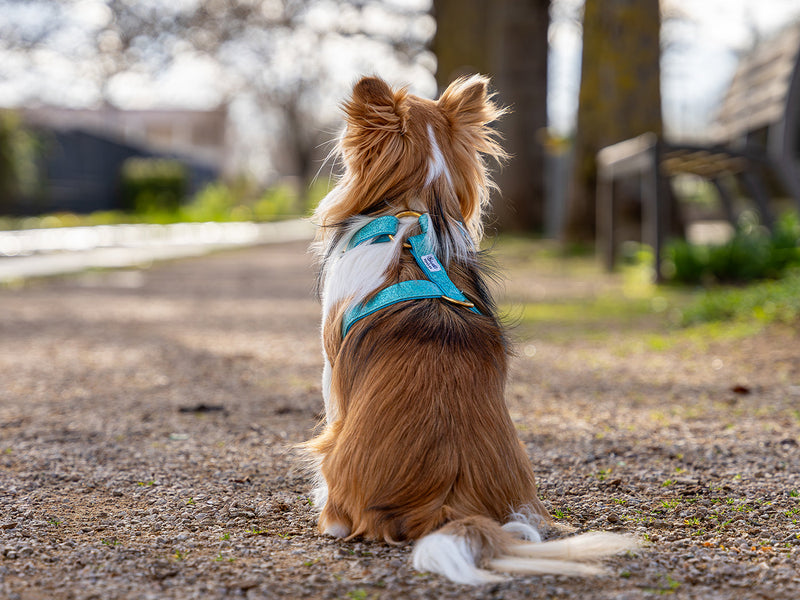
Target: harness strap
[(377, 230), (431, 266), (438, 284)]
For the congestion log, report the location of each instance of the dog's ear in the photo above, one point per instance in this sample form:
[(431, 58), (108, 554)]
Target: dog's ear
[(374, 105), (467, 102), (374, 91)]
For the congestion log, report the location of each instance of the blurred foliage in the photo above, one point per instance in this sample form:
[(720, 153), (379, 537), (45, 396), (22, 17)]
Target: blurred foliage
[(18, 174), (239, 200), (752, 253), (274, 56), (153, 185)]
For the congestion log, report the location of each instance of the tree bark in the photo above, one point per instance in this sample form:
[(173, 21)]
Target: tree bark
[(620, 95), (507, 40)]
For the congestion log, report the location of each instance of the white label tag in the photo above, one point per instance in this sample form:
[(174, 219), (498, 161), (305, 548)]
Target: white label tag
[(431, 263)]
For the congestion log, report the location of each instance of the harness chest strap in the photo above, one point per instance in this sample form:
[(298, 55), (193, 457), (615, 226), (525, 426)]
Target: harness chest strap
[(438, 284)]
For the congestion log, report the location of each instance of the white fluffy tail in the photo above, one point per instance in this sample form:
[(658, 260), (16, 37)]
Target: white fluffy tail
[(451, 556), (468, 551), (568, 556)]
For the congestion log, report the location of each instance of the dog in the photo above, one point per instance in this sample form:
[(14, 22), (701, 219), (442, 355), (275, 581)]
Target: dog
[(417, 442)]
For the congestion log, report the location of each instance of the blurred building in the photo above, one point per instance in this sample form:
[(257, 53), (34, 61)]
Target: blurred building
[(82, 151)]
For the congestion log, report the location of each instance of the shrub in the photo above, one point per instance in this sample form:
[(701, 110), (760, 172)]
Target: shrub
[(785, 249), (215, 202), (275, 202), (751, 254), (18, 154), (686, 263), (744, 258), (153, 185), (239, 201)]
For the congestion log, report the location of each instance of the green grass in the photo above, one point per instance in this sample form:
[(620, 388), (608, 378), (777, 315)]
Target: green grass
[(668, 585), (605, 308), (218, 202), (661, 317), (762, 302), (701, 334)]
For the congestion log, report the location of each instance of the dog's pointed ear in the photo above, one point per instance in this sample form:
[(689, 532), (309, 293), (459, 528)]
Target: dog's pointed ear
[(373, 90), (374, 105), (467, 101)]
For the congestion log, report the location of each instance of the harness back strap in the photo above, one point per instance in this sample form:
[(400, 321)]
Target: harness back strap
[(377, 230), (438, 284)]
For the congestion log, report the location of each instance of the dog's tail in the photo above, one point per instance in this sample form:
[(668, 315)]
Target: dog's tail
[(474, 549)]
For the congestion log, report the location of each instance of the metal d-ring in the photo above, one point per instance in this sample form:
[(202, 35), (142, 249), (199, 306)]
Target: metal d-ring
[(400, 215), (408, 213)]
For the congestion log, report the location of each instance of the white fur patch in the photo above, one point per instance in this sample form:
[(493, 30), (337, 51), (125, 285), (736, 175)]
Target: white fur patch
[(586, 546), (523, 531), (337, 530), (437, 166), (450, 556), (331, 412), (524, 523), (320, 493), (354, 274)]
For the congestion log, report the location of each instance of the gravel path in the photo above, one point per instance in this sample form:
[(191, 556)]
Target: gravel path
[(147, 419)]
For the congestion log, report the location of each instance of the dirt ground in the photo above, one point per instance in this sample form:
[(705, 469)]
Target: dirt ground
[(147, 418)]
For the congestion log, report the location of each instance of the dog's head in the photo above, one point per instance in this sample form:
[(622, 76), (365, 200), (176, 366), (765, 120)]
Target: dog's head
[(402, 152)]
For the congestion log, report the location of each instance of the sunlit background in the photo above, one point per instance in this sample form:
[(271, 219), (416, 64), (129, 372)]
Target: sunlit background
[(148, 54), (213, 110), (277, 68), (701, 41)]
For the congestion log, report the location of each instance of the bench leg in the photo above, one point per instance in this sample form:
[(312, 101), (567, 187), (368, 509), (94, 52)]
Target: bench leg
[(726, 200), (605, 221), (756, 189), (790, 176)]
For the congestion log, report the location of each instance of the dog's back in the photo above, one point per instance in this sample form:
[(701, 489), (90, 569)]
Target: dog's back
[(424, 436), (418, 443)]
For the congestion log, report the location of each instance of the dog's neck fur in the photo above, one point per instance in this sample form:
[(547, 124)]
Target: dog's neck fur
[(356, 273), (404, 153)]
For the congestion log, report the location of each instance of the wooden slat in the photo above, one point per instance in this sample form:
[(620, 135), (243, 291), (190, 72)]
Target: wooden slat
[(701, 162), (758, 92)]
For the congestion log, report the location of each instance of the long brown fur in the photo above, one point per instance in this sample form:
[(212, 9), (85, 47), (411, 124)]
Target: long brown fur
[(424, 436), (418, 433)]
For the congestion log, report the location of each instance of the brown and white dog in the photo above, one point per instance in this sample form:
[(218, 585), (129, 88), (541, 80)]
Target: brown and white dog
[(418, 443)]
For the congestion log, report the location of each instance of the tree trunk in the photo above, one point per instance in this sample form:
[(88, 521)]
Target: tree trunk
[(620, 95), (507, 40)]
